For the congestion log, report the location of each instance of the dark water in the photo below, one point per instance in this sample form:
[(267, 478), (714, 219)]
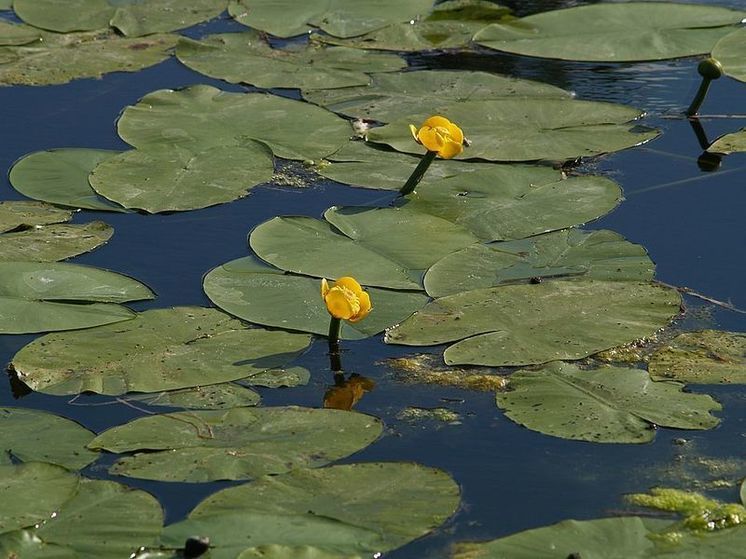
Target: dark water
[(512, 479)]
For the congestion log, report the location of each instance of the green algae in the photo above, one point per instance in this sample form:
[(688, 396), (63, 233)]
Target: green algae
[(442, 415)]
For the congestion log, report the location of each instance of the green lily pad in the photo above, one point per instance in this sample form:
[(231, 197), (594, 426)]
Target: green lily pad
[(601, 255), (202, 117), (336, 17), (60, 176), (132, 19), (32, 493), (614, 32), (730, 51), (6, 4), (172, 178), (356, 509), (282, 377), (705, 357), (50, 243), (296, 552), (241, 443), (383, 247), (248, 58), (610, 405), (58, 59), (44, 297), (527, 129), (258, 293), (161, 349), (729, 143), (21, 214), (392, 96), (528, 324), (12, 34), (214, 397), (25, 544), (36, 436)]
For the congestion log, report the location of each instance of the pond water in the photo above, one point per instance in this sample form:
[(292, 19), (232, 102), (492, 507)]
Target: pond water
[(689, 219)]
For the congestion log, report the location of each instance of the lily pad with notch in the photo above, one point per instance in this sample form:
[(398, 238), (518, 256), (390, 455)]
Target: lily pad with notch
[(213, 397), (729, 143)]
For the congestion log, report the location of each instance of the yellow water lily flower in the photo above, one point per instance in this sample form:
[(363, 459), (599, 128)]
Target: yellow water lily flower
[(440, 135), (345, 299)]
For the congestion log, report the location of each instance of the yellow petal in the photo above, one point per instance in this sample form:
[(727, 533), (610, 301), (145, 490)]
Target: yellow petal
[(437, 120), (430, 138), (341, 303), (456, 133), (324, 287), (450, 149), (364, 308), (349, 283), (413, 130)]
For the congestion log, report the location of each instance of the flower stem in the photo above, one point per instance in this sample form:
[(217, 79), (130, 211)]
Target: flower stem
[(418, 173), (699, 97), (335, 325), (335, 358)]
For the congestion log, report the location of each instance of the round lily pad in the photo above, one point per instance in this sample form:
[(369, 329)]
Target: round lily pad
[(258, 293), (49, 243), (12, 34), (729, 143), (162, 349), (36, 436), (202, 117), (526, 324), (21, 214), (214, 397), (730, 51), (610, 405), (356, 509), (240, 443), (614, 32)]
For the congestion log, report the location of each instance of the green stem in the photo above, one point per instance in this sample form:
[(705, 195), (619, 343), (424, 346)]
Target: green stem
[(335, 357), (418, 173), (699, 97), (335, 325)]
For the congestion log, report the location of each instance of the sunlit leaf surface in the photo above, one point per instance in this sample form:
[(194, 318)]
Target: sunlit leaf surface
[(214, 397), (729, 143), (730, 51)]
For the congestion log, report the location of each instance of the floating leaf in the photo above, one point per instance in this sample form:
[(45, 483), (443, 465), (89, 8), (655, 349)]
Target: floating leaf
[(284, 377), (729, 143), (59, 59), (214, 397), (247, 58), (20, 214), (241, 443), (50, 243), (602, 255), (202, 117), (161, 349), (284, 552), (705, 357), (392, 96), (44, 297), (258, 293), (337, 17), (610, 405), (348, 510), (177, 179), (6, 4), (730, 51), (527, 129), (526, 324), (615, 32), (133, 19), (36, 436), (12, 34)]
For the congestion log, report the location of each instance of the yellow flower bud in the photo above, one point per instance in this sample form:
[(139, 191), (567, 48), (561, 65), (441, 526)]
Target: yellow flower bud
[(345, 299), (440, 135)]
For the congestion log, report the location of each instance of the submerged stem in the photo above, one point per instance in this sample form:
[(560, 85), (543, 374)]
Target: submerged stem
[(418, 173)]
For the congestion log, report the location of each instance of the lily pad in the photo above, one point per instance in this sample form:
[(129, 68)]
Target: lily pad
[(610, 405), (356, 509), (730, 51), (705, 357), (383, 247), (36, 436), (173, 178), (528, 129), (161, 349), (282, 377), (132, 19), (258, 293), (248, 58), (6, 4), (336, 17), (20, 214), (528, 324), (60, 176), (58, 59), (392, 96), (214, 397), (241, 443), (12, 34), (296, 552), (44, 297), (570, 253), (49, 243), (729, 143), (202, 117), (614, 32)]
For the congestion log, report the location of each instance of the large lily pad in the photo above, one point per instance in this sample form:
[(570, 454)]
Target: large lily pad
[(610, 405), (21, 214), (133, 19), (60, 176), (214, 397), (383, 247), (526, 324), (241, 443), (705, 357), (527, 129), (730, 51), (50, 243), (352, 509), (59, 58), (258, 293), (337, 17), (6, 4), (571, 253), (173, 178), (12, 34), (614, 32), (273, 551), (162, 349), (36, 436), (729, 143), (392, 96), (43, 297), (247, 58), (202, 117)]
